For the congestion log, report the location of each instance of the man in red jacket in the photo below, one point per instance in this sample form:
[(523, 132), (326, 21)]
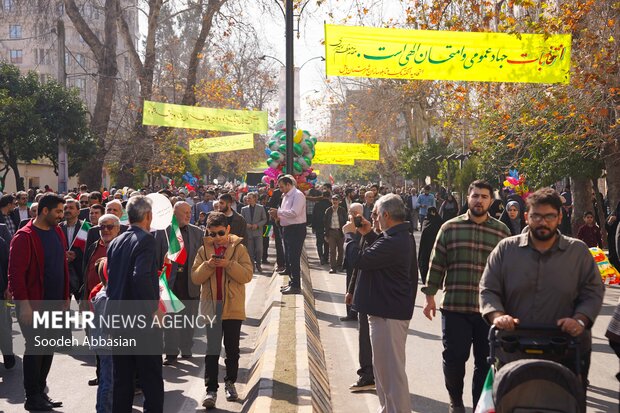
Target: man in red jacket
[(38, 276)]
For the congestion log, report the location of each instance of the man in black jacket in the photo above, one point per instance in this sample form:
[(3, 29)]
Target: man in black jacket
[(237, 224), (385, 292), (333, 233), (318, 215)]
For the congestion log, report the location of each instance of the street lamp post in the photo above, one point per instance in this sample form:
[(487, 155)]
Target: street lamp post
[(290, 86)]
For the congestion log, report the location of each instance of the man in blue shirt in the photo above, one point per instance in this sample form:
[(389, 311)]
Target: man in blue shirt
[(425, 201)]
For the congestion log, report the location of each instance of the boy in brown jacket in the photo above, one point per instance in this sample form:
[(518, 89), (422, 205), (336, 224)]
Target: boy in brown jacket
[(222, 267)]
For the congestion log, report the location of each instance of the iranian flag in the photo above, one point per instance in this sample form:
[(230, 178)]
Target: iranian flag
[(80, 239), (176, 247), (168, 302), (486, 403)]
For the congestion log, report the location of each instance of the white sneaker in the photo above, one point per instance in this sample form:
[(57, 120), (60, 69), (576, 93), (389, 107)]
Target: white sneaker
[(209, 400)]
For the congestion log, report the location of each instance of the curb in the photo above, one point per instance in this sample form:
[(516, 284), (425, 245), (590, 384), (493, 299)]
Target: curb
[(260, 379), (313, 392)]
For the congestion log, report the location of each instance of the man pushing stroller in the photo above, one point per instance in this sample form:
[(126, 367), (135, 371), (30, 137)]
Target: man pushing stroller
[(543, 277)]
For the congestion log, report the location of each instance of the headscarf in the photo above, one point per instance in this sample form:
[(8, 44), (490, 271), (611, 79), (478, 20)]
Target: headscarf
[(515, 223)]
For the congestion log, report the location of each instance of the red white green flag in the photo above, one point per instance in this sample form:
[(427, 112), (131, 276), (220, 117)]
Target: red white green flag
[(80, 239), (486, 403), (176, 247), (168, 302)]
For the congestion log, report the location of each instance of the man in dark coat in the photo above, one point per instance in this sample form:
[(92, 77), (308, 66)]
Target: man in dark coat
[(132, 278), (238, 226), (318, 215), (70, 227), (333, 233)]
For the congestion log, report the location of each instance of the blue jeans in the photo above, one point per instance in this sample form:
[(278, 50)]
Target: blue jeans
[(104, 391), (460, 331)]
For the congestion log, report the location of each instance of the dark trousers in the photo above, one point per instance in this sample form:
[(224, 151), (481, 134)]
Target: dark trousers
[(280, 257), (350, 311), (36, 362), (265, 249), (365, 348), (322, 247), (293, 237), (335, 239), (149, 369), (231, 332), (460, 331), (6, 329), (181, 339)]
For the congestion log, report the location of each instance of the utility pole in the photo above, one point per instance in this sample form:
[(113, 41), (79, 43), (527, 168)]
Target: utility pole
[(290, 87), (63, 161)]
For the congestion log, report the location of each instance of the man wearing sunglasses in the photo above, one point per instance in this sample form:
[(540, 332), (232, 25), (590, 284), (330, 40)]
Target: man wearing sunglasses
[(543, 277)]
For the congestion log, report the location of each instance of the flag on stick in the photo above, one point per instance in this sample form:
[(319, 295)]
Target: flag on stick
[(168, 302), (176, 246), (486, 403), (80, 239)]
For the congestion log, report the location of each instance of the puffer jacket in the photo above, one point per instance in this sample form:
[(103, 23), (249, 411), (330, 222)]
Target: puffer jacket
[(235, 276)]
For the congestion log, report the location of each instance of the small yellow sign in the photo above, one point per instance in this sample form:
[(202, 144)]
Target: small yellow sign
[(193, 117), (446, 55), (221, 144)]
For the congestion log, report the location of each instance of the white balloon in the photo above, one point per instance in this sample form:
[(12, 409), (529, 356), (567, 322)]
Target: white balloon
[(162, 211)]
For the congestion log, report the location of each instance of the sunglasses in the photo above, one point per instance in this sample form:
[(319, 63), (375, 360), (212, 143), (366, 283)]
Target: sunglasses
[(107, 227), (216, 234)]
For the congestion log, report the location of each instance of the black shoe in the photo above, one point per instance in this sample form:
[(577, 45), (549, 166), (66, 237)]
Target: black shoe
[(37, 403), (93, 382), (170, 360), (259, 268), (9, 361), (280, 269), (54, 403), (332, 271), (348, 318), (186, 356), (285, 287), (362, 384), (291, 290)]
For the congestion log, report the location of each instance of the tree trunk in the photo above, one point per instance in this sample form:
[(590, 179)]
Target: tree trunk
[(105, 55), (612, 166), (581, 191), (189, 97)]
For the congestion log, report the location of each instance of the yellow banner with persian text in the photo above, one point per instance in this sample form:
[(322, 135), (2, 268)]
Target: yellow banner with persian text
[(446, 55), (221, 144), (193, 117)]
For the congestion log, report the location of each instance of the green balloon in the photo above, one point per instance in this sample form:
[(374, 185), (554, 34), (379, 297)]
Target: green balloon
[(313, 138), (280, 135), (297, 149), (297, 168), (308, 161), (282, 148), (309, 143), (284, 169), (276, 156), (269, 162)]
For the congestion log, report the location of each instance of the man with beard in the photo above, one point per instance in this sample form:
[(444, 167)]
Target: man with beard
[(543, 277), (238, 225), (457, 262)]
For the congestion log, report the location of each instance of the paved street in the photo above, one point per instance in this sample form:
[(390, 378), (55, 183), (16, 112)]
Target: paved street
[(424, 352), (183, 382)]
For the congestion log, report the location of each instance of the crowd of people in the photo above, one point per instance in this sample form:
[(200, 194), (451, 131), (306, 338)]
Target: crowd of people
[(366, 231)]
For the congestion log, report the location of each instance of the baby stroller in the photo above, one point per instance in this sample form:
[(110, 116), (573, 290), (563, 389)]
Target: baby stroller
[(531, 373)]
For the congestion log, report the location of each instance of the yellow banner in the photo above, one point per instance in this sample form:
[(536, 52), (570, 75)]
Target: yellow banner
[(221, 144), (193, 117), (446, 55), (332, 159), (361, 151)]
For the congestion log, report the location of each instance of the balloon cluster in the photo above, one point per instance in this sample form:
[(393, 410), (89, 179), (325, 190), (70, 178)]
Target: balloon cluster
[(515, 183), (191, 181), (303, 148), (609, 274)]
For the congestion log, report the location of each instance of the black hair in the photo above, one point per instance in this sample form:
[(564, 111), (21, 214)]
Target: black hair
[(585, 214), (216, 219), (326, 194), (480, 184), (6, 200), (544, 196), (226, 198), (49, 201)]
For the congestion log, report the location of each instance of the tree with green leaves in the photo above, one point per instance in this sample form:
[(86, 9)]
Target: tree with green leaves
[(34, 117)]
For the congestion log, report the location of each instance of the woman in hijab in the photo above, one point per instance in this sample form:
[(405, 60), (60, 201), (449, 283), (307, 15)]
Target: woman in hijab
[(449, 208), (513, 218), (430, 227)]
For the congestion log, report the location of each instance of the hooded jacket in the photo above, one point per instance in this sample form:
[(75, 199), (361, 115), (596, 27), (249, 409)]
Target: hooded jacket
[(235, 276)]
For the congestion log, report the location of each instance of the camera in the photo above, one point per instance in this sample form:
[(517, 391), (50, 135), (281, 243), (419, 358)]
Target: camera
[(357, 221)]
